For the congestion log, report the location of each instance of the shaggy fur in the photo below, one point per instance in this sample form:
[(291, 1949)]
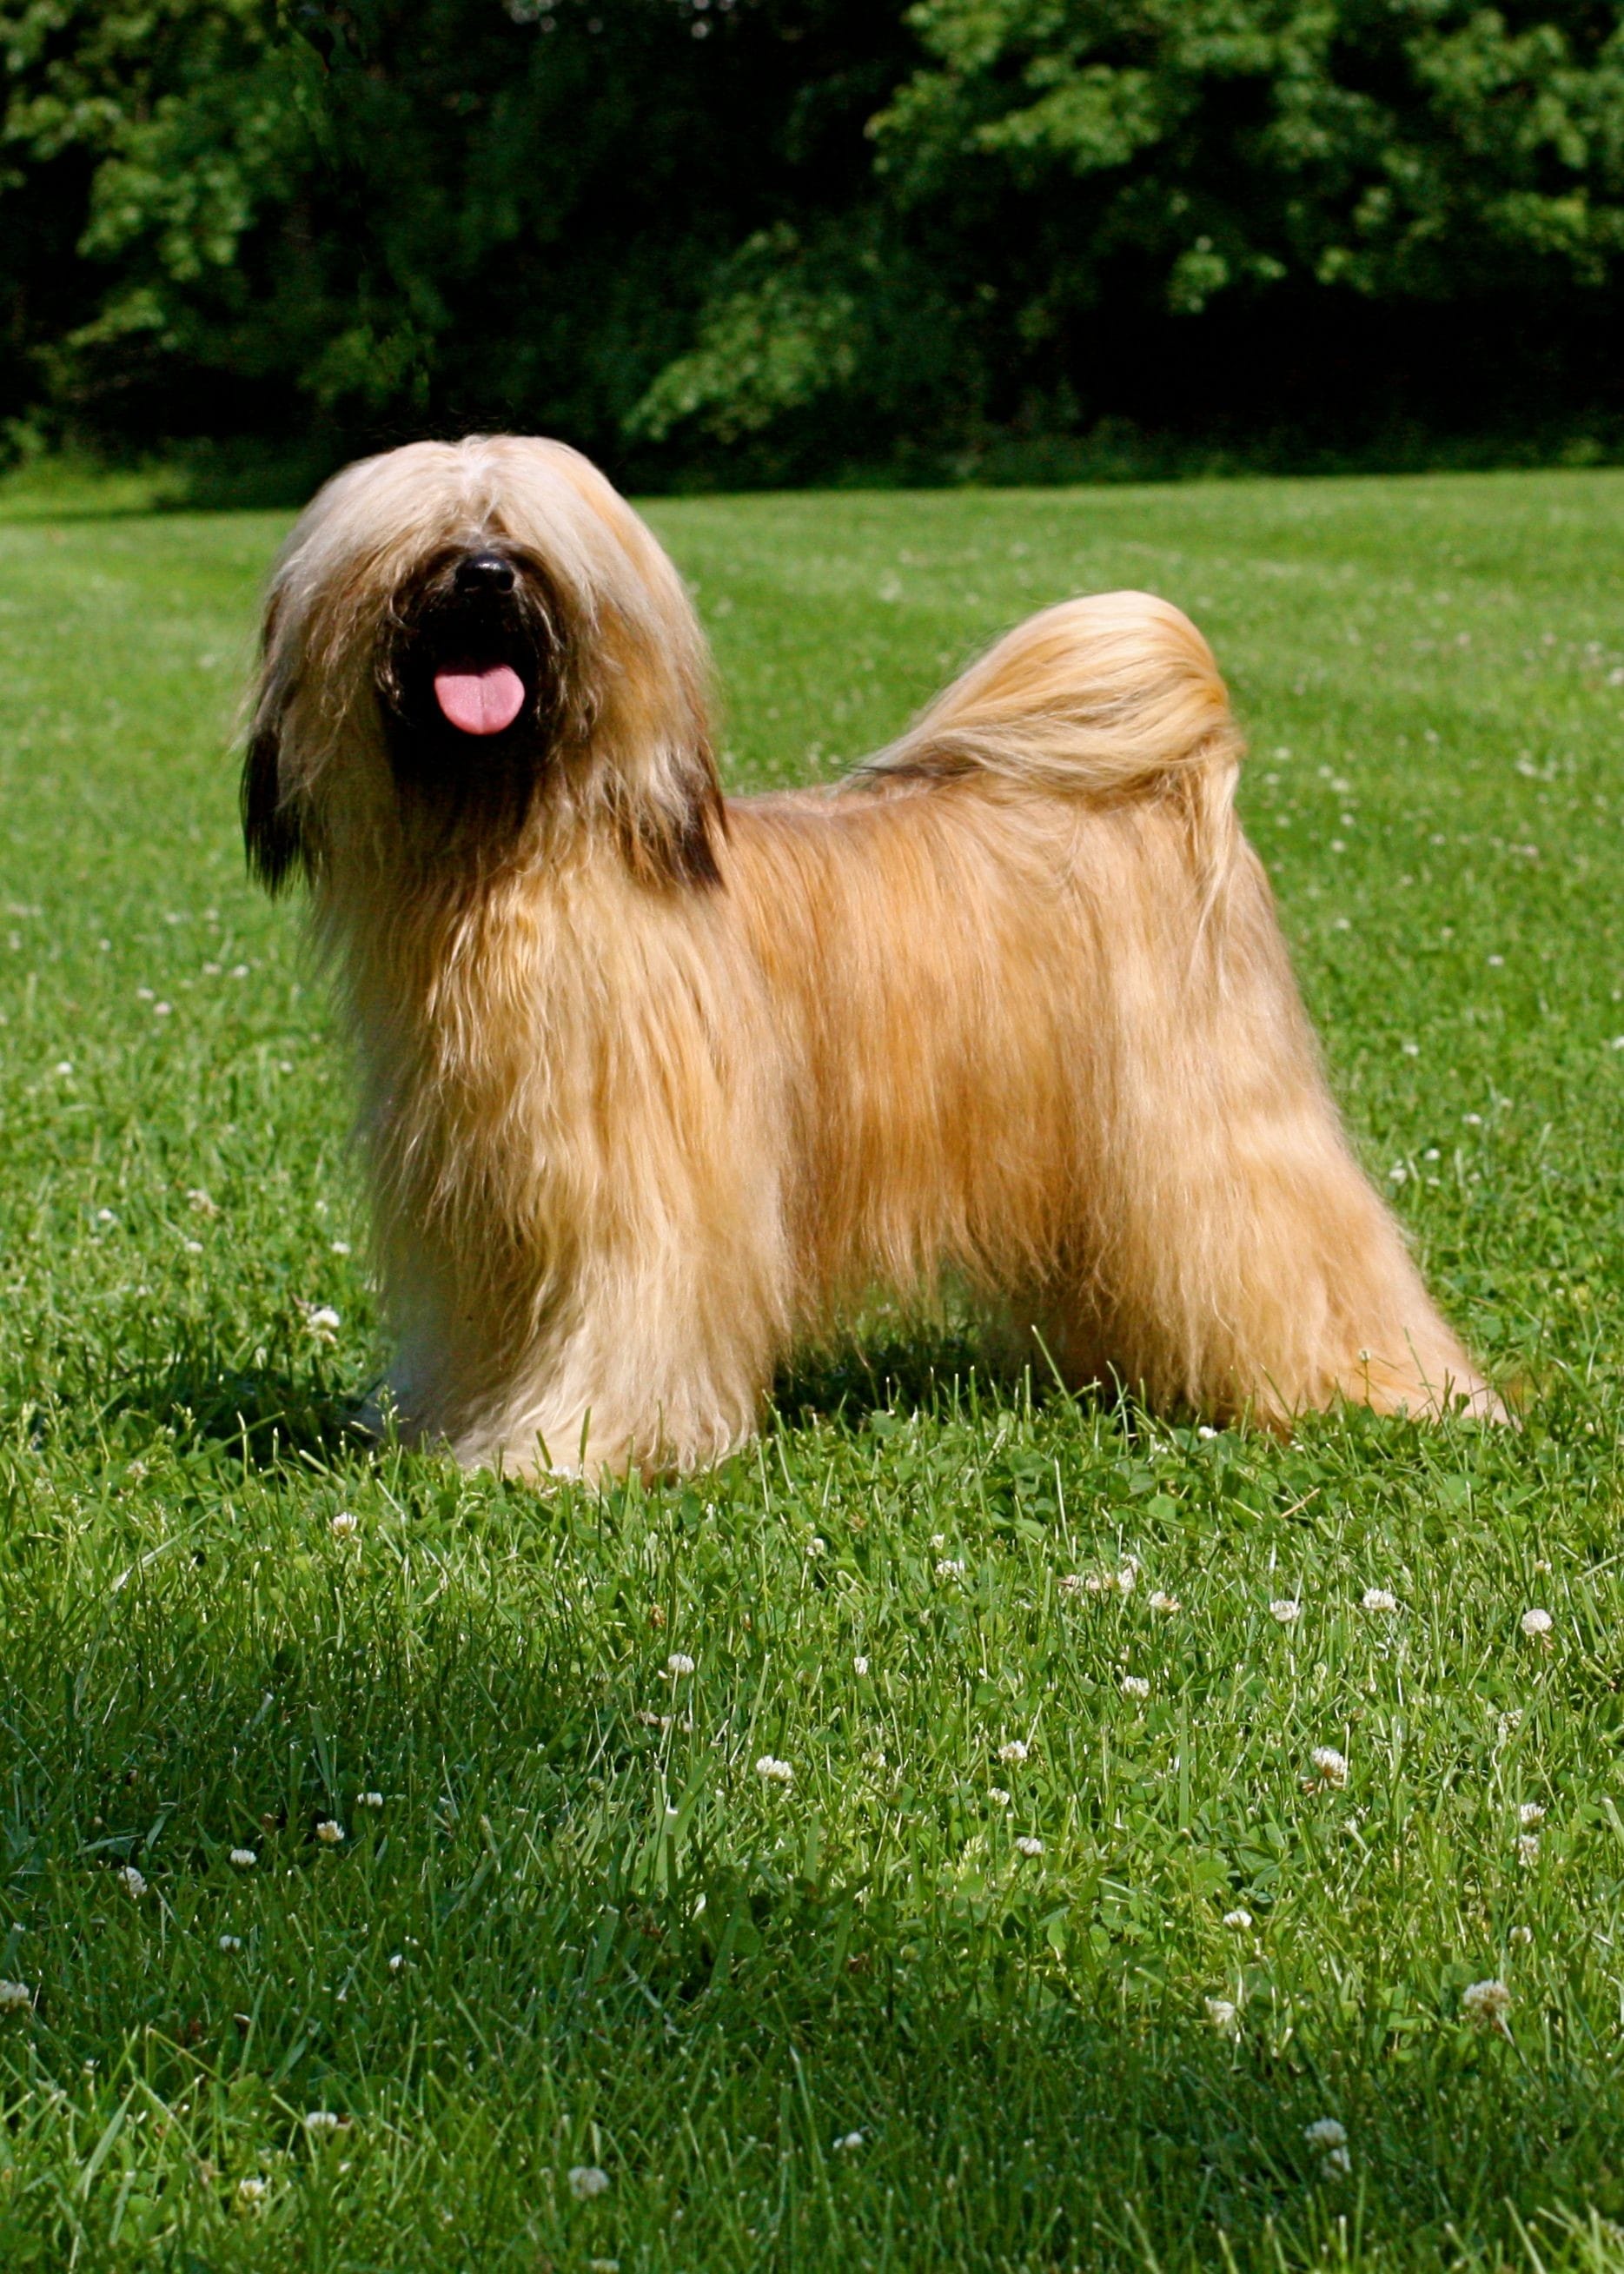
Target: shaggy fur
[(657, 1084)]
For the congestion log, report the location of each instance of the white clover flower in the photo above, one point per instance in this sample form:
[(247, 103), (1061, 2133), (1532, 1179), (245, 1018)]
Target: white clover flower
[(253, 2190), (1529, 1814), (1378, 1599), (860, 1664), (1326, 2133), (1286, 1608), (1536, 1624), (13, 1995), (369, 1800), (345, 1524), (1238, 1921), (131, 1880), (230, 1942), (1158, 1602), (1012, 1751), (847, 2142), (329, 1832), (1527, 1848), (397, 1959), (1028, 1845), (997, 1796), (773, 1772), (586, 2180), (817, 1547), (1134, 1686), (1224, 2016), (321, 2122), (1487, 2003), (244, 1858), (678, 1662), (1330, 1767), (1205, 1430), (950, 1567), (1127, 1578), (1521, 1934)]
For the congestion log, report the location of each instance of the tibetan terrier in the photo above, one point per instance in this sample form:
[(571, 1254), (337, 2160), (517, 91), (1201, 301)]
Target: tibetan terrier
[(657, 1084)]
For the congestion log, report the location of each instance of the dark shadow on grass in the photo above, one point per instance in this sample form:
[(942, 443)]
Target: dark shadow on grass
[(891, 1373), (263, 1412), (954, 1368)]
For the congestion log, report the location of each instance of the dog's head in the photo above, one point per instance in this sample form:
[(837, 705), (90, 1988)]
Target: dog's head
[(471, 652)]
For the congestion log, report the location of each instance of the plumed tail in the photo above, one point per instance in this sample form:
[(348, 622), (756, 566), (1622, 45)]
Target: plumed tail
[(1109, 697)]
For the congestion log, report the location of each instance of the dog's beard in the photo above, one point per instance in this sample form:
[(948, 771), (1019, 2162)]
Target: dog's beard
[(471, 679)]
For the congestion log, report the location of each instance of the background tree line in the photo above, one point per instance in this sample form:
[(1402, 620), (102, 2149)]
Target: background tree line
[(740, 240)]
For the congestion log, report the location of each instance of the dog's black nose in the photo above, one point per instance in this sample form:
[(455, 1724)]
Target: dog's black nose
[(484, 572)]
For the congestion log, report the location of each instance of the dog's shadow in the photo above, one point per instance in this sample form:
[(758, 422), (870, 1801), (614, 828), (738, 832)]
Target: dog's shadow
[(951, 1369), (264, 1412), (294, 1405)]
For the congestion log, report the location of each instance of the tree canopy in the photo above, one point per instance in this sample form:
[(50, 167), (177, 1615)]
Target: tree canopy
[(787, 237)]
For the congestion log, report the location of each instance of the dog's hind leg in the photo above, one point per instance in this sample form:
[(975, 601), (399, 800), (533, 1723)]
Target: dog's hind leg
[(1240, 1262)]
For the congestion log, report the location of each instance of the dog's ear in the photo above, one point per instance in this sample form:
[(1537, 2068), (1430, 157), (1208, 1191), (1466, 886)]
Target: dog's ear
[(694, 850), (680, 846), (678, 837), (272, 835)]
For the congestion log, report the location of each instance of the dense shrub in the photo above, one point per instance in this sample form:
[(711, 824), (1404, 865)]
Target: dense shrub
[(769, 238)]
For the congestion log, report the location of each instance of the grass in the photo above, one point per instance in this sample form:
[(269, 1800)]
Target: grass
[(581, 1929)]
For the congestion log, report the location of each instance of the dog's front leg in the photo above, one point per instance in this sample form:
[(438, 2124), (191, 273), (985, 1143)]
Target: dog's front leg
[(614, 1397)]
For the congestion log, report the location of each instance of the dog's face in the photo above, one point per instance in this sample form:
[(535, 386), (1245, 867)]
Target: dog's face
[(469, 649)]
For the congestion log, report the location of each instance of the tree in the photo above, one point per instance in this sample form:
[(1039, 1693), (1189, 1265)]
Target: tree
[(770, 238)]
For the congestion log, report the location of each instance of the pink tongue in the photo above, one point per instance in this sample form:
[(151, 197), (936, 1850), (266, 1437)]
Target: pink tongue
[(480, 702)]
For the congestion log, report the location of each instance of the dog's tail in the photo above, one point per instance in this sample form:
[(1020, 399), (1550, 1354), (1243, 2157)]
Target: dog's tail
[(1110, 697)]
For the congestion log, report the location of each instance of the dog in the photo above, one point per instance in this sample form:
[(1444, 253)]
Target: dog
[(657, 1084)]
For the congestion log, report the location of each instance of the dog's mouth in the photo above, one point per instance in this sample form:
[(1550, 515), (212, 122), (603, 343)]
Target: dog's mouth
[(468, 677)]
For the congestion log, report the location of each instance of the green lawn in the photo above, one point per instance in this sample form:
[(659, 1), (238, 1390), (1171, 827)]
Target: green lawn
[(846, 2020)]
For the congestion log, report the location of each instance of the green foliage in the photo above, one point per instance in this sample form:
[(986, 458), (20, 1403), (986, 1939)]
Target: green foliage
[(1421, 148), (619, 1946), (777, 234), (768, 343)]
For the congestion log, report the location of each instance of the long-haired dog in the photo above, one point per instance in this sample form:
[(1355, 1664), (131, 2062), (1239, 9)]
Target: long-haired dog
[(657, 1083)]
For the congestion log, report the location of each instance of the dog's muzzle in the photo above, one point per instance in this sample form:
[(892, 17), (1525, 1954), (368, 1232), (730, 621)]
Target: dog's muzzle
[(474, 697), (467, 670)]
